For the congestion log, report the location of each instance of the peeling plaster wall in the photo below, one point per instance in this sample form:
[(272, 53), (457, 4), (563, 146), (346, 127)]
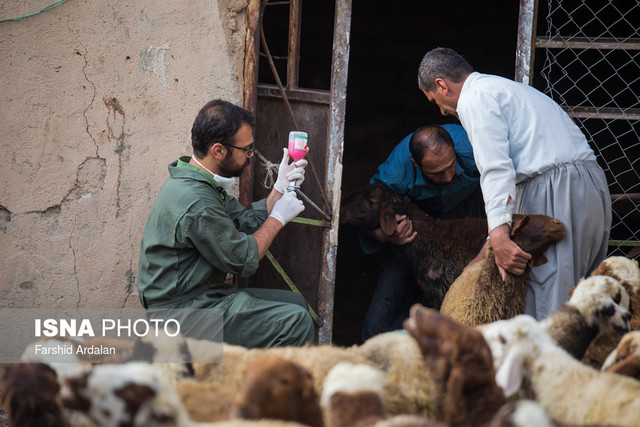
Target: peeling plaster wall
[(96, 99)]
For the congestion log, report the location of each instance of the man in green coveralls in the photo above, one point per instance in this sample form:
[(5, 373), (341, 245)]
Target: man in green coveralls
[(197, 233)]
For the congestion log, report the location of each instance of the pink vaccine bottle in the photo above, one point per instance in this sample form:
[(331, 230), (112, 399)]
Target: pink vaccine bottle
[(298, 148)]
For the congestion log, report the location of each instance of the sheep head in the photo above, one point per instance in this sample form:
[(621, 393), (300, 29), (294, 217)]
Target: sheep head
[(513, 342), (132, 394), (535, 233), (276, 388), (352, 394), (470, 381), (602, 300), (373, 206), (623, 269)]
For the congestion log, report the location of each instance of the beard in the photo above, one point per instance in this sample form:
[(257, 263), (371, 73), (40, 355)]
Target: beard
[(229, 169)]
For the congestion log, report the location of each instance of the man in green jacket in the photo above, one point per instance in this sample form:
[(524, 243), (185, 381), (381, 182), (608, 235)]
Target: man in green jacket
[(196, 234)]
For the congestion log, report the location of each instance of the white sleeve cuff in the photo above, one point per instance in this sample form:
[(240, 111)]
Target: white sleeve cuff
[(496, 219)]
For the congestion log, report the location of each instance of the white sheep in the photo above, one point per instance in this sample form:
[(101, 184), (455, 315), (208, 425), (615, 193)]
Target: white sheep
[(522, 413), (525, 354), (597, 303), (412, 385), (136, 394), (353, 394), (626, 271), (318, 360)]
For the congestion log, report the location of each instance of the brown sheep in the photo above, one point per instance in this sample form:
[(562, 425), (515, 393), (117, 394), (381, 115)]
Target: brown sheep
[(31, 395), (441, 249), (231, 373), (471, 395), (626, 271), (625, 359), (276, 388), (480, 296)]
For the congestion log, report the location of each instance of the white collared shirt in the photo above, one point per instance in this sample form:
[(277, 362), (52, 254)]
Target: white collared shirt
[(516, 132)]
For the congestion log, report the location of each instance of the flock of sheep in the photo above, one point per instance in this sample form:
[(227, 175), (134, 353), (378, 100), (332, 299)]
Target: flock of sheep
[(480, 367)]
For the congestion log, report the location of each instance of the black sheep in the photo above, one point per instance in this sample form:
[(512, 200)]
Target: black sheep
[(441, 249)]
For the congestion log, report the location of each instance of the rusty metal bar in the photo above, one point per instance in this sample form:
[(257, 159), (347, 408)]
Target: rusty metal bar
[(250, 95), (603, 43), (633, 197), (250, 100), (303, 95), (525, 49), (603, 113), (293, 61), (284, 97), (335, 137)]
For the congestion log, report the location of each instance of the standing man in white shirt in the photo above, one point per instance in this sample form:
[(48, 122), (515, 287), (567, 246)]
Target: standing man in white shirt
[(532, 159)]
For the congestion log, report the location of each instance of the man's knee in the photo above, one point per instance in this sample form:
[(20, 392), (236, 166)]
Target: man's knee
[(301, 328)]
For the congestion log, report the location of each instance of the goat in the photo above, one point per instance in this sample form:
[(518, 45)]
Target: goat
[(480, 296), (441, 249)]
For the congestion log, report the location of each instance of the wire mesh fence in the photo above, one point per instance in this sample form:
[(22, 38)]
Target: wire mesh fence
[(588, 60)]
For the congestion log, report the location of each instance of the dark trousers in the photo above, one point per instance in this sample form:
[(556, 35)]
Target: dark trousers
[(396, 292)]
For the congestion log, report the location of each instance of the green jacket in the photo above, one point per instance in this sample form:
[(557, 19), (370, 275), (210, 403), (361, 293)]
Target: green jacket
[(195, 234)]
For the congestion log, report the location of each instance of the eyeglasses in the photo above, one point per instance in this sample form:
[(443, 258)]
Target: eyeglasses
[(249, 150)]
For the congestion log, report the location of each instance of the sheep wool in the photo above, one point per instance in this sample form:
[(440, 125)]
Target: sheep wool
[(571, 392), (597, 303), (627, 272), (479, 295)]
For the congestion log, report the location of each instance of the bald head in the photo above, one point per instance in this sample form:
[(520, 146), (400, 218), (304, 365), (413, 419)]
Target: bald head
[(432, 152)]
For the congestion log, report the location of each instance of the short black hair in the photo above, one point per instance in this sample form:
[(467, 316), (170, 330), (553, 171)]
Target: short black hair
[(430, 137), (217, 122)]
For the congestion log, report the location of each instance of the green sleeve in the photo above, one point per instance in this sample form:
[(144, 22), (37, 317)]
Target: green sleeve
[(213, 233), (247, 220)]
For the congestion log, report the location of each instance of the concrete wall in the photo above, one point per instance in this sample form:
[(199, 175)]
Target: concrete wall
[(96, 98)]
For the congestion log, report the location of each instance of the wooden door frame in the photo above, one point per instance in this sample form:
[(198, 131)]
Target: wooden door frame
[(335, 134)]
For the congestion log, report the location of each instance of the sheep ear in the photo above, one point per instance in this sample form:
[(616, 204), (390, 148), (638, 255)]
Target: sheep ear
[(308, 390), (519, 222), (388, 220), (630, 367), (509, 375)]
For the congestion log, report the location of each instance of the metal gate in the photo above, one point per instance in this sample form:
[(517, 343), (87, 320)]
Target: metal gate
[(303, 256), (587, 58)]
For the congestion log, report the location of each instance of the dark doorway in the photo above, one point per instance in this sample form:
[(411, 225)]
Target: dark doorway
[(384, 104)]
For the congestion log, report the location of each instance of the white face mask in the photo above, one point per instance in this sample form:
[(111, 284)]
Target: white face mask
[(224, 181)]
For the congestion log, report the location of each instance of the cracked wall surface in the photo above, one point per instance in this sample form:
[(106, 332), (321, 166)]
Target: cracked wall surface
[(97, 98)]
